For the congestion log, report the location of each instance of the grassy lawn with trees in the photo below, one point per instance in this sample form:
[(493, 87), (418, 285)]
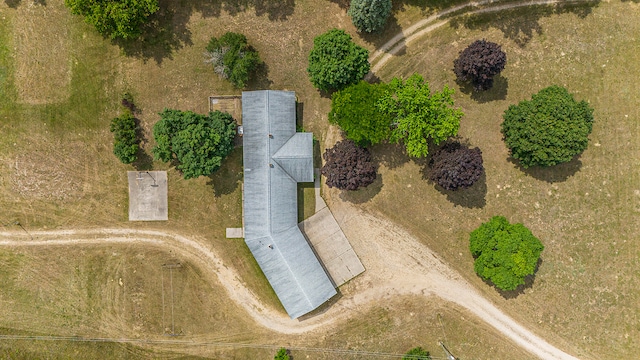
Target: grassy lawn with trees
[(61, 84)]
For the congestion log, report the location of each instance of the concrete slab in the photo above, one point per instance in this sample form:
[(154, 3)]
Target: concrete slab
[(235, 233), (332, 247), (148, 195)]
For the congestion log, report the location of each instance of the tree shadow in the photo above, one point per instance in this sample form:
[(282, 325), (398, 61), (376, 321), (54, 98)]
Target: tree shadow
[(473, 197), (227, 178), (260, 78), (166, 31), (389, 154), (521, 24), (551, 174), (528, 284), (497, 92), (364, 194)]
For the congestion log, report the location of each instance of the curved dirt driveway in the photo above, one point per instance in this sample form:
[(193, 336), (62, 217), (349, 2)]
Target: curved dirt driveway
[(394, 267)]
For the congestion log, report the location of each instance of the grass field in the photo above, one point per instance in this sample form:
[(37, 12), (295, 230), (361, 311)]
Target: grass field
[(61, 83)]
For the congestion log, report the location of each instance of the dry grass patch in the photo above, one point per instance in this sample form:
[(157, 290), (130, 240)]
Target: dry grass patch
[(42, 53)]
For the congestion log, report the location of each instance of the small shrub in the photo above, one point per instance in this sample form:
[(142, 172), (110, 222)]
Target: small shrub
[(479, 63), (417, 353), (125, 133), (455, 166), (232, 58), (369, 15), (348, 166), (336, 62), (282, 354)]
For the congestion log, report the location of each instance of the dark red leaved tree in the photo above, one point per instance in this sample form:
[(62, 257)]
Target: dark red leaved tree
[(455, 166), (348, 166), (479, 63)]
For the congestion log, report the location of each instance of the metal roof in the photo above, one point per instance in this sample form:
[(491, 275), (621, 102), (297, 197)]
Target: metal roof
[(276, 157)]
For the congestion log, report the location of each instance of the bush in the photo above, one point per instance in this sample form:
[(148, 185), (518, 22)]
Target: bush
[(115, 18), (549, 129), (348, 166), (455, 166), (198, 142), (417, 353), (336, 62), (479, 63), (504, 253), (419, 116), (282, 354), (369, 15), (125, 134), (232, 58), (354, 110)]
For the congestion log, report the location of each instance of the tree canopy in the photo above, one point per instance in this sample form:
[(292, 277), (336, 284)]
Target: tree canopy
[(504, 253), (479, 63), (233, 58), (455, 166), (549, 129), (336, 62), (348, 166), (417, 353), (354, 110), (418, 115), (126, 142), (369, 15), (115, 18), (198, 142)]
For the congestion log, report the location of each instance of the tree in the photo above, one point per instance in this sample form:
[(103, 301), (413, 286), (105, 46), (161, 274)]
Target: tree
[(126, 142), (282, 354), (549, 129), (479, 63), (417, 353), (418, 115), (354, 110), (369, 15), (115, 18), (336, 62), (198, 142), (504, 253), (348, 166), (232, 58), (455, 166)]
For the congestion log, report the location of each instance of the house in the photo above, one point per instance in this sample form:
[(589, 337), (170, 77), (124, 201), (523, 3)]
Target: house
[(276, 158)]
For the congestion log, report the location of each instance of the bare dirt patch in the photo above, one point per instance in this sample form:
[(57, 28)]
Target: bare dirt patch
[(42, 49)]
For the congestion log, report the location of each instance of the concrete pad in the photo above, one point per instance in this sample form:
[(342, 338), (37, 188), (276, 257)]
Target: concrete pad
[(332, 247), (235, 233), (148, 195)]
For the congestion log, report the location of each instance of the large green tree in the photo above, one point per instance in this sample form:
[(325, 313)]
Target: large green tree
[(115, 18), (354, 110), (233, 58), (549, 129), (369, 15), (419, 115), (504, 253), (336, 62), (198, 142)]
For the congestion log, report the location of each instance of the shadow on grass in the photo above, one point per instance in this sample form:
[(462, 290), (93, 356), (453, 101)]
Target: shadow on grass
[(166, 31), (228, 177), (390, 155), (551, 174), (521, 24), (473, 197), (528, 283), (497, 92), (363, 195), (144, 161), (260, 78)]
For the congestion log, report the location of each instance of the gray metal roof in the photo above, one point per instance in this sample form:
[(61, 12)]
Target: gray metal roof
[(275, 159)]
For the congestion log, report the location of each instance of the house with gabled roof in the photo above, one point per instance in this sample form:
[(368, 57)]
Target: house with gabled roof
[(276, 158)]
